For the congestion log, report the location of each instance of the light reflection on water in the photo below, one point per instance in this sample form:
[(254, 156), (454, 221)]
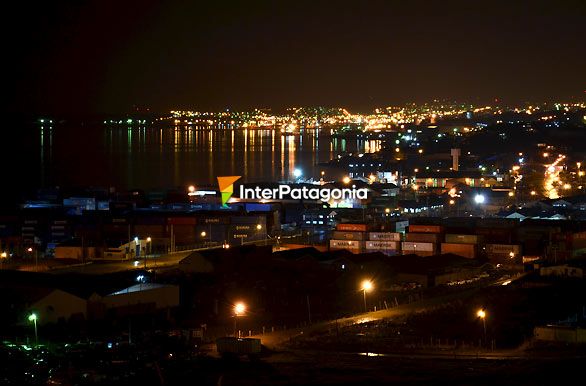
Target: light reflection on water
[(159, 158)]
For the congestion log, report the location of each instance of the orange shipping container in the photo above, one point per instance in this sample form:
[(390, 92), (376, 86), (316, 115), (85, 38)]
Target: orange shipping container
[(348, 235), (426, 228), (423, 237), (352, 227), (464, 250)]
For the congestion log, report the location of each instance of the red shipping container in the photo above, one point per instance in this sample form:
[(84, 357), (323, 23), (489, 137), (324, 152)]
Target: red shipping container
[(181, 221)]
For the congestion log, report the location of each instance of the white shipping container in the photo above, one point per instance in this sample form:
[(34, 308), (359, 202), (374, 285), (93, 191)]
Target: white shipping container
[(382, 245), (390, 236), (416, 246), (345, 244)]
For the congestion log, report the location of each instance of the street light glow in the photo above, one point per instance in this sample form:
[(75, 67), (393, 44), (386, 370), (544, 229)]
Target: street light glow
[(346, 180), (367, 285), (203, 234), (297, 173), (479, 199), (239, 308), (32, 317), (481, 314)]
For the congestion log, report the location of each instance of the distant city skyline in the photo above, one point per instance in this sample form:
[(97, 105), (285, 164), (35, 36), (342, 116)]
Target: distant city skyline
[(110, 58)]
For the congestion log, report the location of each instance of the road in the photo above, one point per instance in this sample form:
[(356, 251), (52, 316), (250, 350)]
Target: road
[(275, 339), (100, 267)]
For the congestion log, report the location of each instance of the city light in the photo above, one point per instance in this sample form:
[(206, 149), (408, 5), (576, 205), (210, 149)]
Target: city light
[(239, 309), (258, 227), (346, 180), (297, 173), (203, 234), (367, 285), (33, 318), (482, 315), (479, 199)]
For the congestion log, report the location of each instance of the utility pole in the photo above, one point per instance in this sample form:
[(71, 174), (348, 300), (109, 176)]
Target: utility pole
[(308, 309)]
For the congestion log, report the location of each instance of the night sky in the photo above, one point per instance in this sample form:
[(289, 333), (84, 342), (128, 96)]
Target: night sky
[(100, 56)]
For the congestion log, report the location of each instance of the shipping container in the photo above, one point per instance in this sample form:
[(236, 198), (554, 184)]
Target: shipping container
[(503, 253), (150, 220), (389, 236), (578, 240), (213, 219), (419, 253), (423, 237), (497, 223), (418, 246), (425, 228), (383, 245), (469, 251), (181, 221), (342, 235), (502, 249), (245, 232), (351, 245), (154, 231), (496, 235), (463, 239), (213, 232), (352, 227), (237, 220)]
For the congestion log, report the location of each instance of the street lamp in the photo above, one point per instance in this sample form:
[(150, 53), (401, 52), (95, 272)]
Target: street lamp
[(482, 315), (33, 318), (239, 310), (346, 180), (148, 250), (367, 286)]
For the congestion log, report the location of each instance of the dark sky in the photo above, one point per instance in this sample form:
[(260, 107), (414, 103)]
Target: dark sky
[(101, 56)]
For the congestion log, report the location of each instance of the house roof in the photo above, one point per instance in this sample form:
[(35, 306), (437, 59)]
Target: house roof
[(140, 288)]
